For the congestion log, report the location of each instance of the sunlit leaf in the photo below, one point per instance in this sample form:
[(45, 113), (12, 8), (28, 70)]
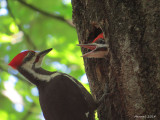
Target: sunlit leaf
[(3, 115), (13, 28), (4, 38)]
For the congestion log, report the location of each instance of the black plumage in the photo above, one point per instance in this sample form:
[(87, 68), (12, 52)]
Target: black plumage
[(61, 96)]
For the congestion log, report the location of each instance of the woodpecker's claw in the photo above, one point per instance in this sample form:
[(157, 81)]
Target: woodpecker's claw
[(97, 50)]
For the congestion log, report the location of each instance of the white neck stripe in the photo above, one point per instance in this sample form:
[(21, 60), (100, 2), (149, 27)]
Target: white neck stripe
[(39, 76)]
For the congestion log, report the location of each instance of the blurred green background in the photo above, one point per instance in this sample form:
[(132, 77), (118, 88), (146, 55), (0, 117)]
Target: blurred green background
[(35, 25)]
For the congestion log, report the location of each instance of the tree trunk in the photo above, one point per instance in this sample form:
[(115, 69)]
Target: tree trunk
[(131, 71)]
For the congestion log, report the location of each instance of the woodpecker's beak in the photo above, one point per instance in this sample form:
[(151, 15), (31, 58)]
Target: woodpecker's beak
[(43, 53), (97, 50)]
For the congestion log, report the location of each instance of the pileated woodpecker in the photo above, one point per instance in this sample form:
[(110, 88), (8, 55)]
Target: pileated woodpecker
[(98, 48), (61, 96)]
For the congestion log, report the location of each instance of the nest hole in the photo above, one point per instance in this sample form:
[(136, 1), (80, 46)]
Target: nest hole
[(94, 34)]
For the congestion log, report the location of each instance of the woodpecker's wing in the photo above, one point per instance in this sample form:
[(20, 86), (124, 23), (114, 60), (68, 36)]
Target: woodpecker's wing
[(91, 104), (88, 97), (65, 102)]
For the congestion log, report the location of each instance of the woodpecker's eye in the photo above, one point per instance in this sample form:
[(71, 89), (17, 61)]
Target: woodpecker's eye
[(31, 53), (100, 41), (29, 56), (37, 59)]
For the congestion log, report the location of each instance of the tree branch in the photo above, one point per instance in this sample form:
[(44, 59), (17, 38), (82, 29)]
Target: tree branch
[(4, 68), (29, 112), (28, 39), (47, 14)]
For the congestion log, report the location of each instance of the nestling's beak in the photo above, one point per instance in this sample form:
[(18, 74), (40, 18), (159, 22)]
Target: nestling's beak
[(97, 50), (90, 46), (43, 53)]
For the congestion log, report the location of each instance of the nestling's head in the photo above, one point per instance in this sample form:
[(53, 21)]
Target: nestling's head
[(97, 49), (29, 59)]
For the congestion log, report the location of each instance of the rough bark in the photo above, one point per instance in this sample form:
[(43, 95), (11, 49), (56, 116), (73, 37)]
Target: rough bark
[(132, 68)]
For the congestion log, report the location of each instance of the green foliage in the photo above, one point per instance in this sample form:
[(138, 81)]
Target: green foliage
[(24, 28)]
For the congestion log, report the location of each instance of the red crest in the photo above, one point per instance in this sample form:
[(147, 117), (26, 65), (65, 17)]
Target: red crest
[(17, 60), (98, 37)]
